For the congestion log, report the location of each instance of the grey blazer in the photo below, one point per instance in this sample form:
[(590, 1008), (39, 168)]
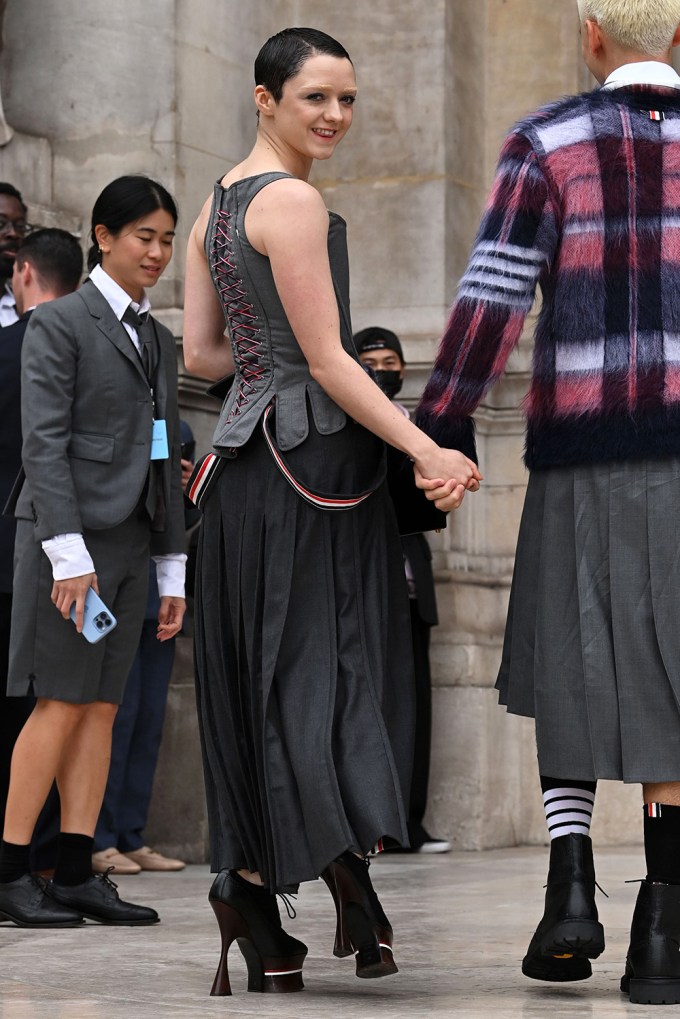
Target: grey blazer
[(87, 418)]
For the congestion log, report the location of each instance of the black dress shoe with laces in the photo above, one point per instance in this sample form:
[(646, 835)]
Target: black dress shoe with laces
[(26, 903), (98, 899)]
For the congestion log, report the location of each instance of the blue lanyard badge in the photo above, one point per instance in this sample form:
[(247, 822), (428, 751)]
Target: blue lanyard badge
[(159, 441)]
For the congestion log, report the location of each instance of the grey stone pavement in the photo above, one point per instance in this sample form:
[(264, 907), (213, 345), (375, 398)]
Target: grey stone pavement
[(462, 923)]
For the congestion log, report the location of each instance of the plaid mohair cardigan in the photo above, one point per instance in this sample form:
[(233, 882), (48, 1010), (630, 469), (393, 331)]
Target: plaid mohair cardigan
[(586, 205)]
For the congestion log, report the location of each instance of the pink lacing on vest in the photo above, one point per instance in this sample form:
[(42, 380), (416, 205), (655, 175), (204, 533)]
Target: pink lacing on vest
[(242, 320)]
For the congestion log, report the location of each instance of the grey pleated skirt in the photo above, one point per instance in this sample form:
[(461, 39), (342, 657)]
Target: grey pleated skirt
[(304, 667), (592, 642)]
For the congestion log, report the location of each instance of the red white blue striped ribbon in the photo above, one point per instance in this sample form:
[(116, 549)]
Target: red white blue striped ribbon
[(318, 499), (201, 478)]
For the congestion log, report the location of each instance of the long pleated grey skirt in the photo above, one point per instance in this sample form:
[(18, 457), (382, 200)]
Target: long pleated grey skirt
[(592, 642), (304, 665)]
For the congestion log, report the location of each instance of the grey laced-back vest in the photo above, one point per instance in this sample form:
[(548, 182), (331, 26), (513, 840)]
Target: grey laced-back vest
[(269, 362)]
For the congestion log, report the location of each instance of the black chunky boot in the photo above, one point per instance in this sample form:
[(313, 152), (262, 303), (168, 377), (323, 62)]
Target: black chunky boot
[(652, 974), (569, 934)]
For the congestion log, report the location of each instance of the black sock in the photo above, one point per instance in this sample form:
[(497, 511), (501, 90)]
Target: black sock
[(662, 843), (74, 859), (14, 862), (568, 805)]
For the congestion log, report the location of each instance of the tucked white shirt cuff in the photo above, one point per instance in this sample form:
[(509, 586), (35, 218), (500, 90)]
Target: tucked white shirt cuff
[(68, 555), (170, 572)]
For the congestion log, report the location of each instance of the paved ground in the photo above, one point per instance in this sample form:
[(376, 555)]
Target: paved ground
[(462, 923)]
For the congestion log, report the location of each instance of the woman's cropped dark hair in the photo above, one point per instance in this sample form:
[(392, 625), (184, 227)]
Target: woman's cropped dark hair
[(283, 55), (124, 201)]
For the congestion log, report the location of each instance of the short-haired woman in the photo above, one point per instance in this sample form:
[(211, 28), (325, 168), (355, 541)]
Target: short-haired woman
[(304, 663)]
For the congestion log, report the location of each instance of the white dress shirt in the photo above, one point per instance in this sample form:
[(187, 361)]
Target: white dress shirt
[(8, 307), (644, 72), (67, 552)]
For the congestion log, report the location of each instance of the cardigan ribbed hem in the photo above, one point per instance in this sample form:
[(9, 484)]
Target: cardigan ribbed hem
[(600, 437)]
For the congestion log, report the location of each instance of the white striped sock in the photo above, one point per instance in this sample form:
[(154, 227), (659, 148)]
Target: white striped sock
[(568, 810)]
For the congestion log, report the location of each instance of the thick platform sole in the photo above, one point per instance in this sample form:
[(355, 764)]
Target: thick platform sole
[(651, 990), (281, 975), (271, 976), (579, 939), (563, 954), (558, 971), (372, 963)]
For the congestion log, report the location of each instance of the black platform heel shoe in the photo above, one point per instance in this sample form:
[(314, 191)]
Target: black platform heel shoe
[(652, 974), (363, 929), (249, 915), (569, 934)]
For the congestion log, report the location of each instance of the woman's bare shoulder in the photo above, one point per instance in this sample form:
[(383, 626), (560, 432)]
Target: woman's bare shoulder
[(288, 196)]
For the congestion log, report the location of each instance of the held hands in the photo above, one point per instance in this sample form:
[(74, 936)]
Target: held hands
[(66, 592), (170, 616), (462, 473)]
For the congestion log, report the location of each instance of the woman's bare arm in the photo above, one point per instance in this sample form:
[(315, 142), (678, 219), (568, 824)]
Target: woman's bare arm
[(288, 222), (207, 351)]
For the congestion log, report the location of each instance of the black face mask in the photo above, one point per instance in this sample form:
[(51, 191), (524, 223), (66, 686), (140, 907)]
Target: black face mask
[(389, 382)]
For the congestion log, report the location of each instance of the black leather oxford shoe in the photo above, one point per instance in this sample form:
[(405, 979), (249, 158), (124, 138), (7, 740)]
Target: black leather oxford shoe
[(98, 899), (25, 902)]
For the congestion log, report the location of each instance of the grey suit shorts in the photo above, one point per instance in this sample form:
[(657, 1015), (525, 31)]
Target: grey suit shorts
[(48, 657)]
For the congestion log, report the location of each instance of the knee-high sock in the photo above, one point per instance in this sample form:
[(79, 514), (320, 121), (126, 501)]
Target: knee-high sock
[(568, 805)]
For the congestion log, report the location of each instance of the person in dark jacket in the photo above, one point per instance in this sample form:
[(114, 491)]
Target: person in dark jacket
[(382, 351), (48, 265)]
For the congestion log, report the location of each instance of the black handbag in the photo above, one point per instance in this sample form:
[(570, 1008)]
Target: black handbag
[(414, 511)]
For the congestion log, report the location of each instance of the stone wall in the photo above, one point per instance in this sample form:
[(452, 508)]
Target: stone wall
[(164, 88)]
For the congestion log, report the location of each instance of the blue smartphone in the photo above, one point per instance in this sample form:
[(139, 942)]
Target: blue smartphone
[(98, 621)]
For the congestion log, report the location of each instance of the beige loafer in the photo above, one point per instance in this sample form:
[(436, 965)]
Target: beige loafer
[(112, 859), (147, 858)]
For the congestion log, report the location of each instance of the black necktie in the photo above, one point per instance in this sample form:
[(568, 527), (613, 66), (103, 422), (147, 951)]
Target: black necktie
[(155, 497), (141, 324)]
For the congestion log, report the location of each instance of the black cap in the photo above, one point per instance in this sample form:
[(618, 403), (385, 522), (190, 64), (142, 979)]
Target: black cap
[(375, 338)]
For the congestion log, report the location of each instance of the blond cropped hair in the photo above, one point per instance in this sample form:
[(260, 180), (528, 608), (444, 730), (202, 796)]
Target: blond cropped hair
[(645, 26)]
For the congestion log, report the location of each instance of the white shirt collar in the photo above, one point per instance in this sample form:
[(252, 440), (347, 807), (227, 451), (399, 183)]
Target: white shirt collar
[(112, 292), (8, 306), (646, 72)]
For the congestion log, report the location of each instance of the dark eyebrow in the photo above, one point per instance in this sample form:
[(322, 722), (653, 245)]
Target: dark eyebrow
[(150, 230), (327, 88)]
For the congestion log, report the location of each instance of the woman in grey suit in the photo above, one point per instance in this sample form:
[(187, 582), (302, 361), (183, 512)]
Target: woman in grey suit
[(102, 491)]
